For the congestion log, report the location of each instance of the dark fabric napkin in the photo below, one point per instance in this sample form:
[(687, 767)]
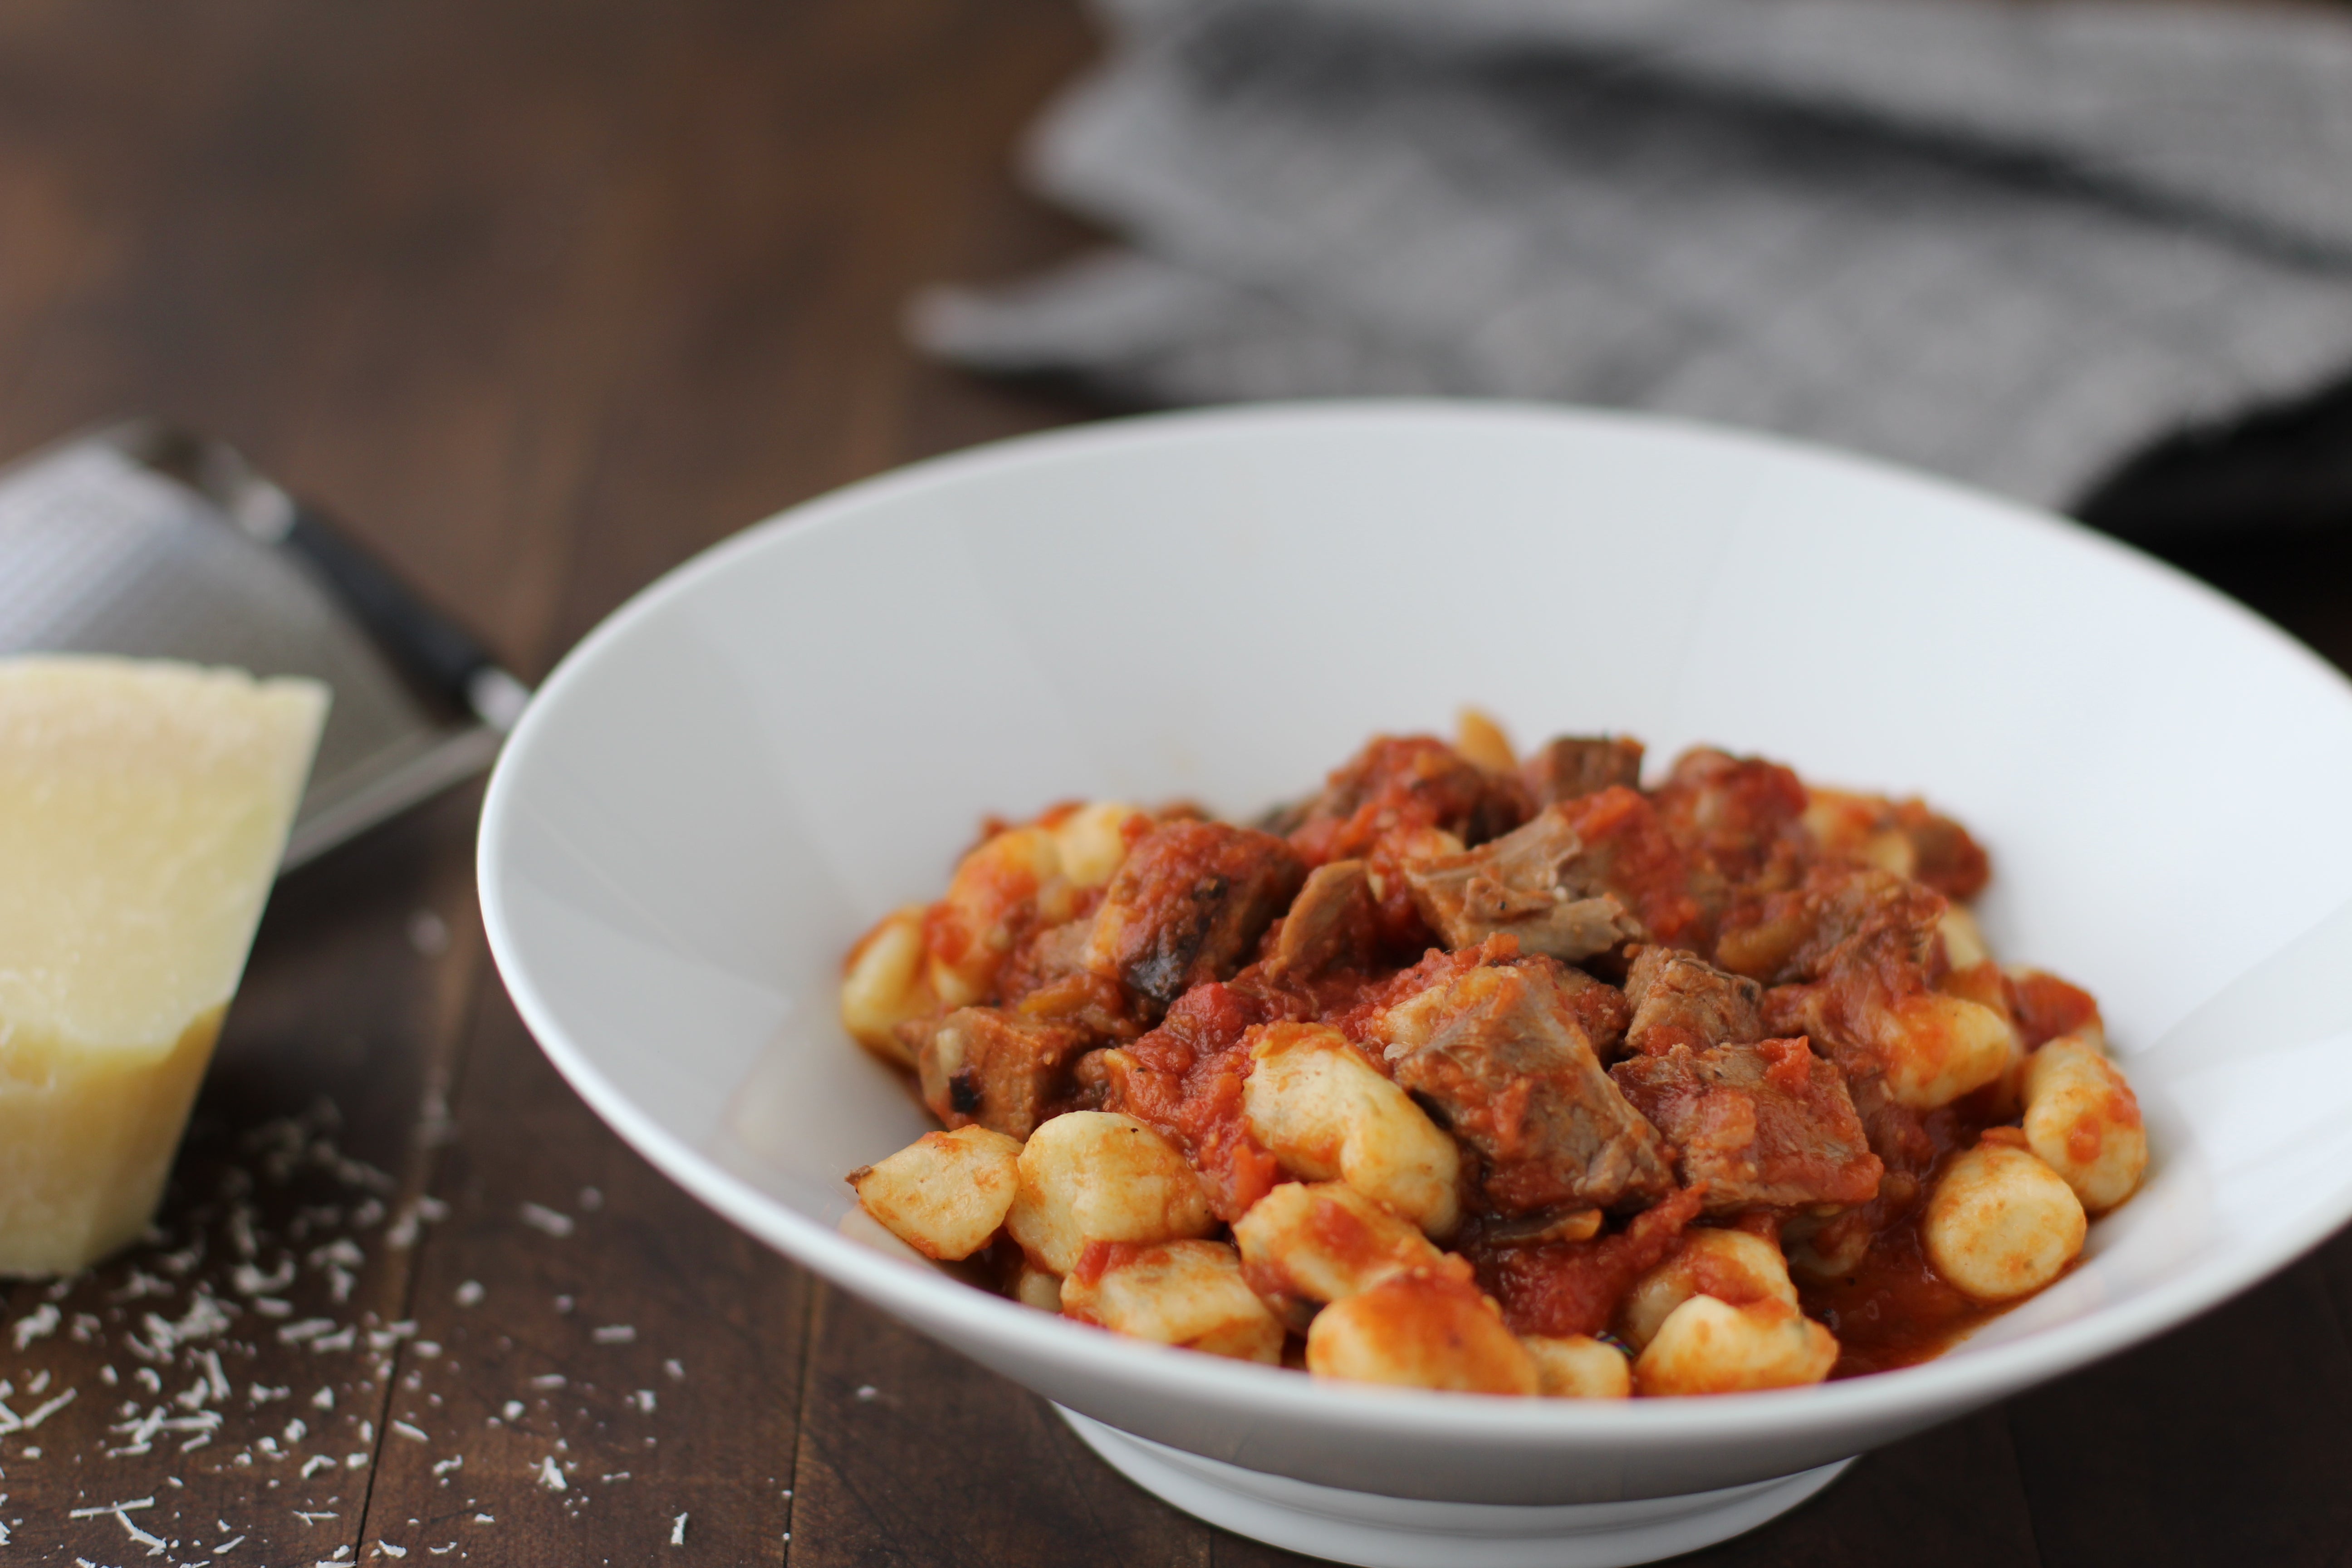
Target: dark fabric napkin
[(2009, 243)]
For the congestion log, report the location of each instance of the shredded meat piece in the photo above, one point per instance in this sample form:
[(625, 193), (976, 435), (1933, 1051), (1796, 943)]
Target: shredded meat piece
[(1046, 956), (1840, 917), (1537, 883), (1733, 816), (1332, 924), (1768, 1125), (1628, 847), (1599, 1009), (1573, 766), (1563, 1288), (1680, 999), (1045, 980), (1188, 906), (1581, 879), (1405, 783), (1848, 945), (1497, 1055), (983, 1065)]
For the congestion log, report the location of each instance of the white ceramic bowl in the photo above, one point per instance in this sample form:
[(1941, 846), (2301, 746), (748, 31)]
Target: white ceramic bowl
[(796, 732)]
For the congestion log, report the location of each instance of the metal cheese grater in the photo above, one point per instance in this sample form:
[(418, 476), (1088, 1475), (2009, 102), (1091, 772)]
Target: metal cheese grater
[(144, 540)]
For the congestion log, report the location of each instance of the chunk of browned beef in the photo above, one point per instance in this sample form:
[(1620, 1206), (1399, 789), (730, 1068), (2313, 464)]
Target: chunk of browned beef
[(1768, 1125), (1576, 765), (1826, 1248), (1901, 835), (1680, 999), (1599, 1009), (1842, 917), (1496, 1054), (1404, 782), (1188, 906), (1539, 884), (1846, 948), (1735, 816), (1332, 924), (984, 1065)]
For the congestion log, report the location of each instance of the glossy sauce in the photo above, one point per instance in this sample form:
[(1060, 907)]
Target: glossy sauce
[(1894, 1309)]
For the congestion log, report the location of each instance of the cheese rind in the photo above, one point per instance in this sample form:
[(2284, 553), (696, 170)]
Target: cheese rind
[(143, 809)]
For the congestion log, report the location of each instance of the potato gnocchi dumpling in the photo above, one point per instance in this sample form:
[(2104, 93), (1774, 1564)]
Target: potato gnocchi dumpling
[(946, 1194), (1420, 1328), (1734, 1266), (1188, 1293), (2002, 1223), (1326, 1242), (1709, 1346), (1578, 1367), (887, 982), (1319, 1106), (1034, 1286), (1939, 1047), (1097, 1176), (1494, 1072), (2083, 1121)]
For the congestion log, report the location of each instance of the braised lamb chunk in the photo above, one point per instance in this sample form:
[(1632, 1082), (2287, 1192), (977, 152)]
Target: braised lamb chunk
[(1767, 1125), (1188, 905), (1576, 765), (1735, 816), (1332, 924), (1827, 1248), (1680, 999), (1402, 783), (987, 1065), (1536, 884), (1044, 958), (1841, 918), (1497, 1055), (1599, 1009), (1900, 835)]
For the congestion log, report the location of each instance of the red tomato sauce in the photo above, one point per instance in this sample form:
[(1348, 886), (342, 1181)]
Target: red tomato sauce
[(1894, 1309), (1563, 1288), (1187, 1081)]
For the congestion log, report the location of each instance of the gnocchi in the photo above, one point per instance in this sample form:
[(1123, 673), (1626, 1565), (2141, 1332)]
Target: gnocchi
[(1420, 1328), (1732, 1266), (1188, 1293), (1326, 1242), (1324, 1112), (2083, 1121), (1012, 881), (1939, 1047), (946, 1194), (885, 984), (2001, 1223), (1097, 1176), (1494, 1072), (1578, 1367), (1709, 1346)]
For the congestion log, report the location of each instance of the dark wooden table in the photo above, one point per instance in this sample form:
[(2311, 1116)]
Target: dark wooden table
[(545, 296)]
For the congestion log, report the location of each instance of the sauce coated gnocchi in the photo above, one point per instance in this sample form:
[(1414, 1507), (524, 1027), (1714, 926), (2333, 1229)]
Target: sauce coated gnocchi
[(1498, 1075)]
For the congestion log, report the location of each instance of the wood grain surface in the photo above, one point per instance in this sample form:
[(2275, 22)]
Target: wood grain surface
[(543, 297)]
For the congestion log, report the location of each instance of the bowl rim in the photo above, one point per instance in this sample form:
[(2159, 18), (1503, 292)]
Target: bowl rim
[(924, 1296)]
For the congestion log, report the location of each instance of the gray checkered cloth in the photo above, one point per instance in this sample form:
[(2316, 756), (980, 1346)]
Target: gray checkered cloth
[(2008, 243)]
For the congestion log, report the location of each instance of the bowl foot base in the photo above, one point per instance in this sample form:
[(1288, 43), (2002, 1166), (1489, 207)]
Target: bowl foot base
[(1401, 1533)]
